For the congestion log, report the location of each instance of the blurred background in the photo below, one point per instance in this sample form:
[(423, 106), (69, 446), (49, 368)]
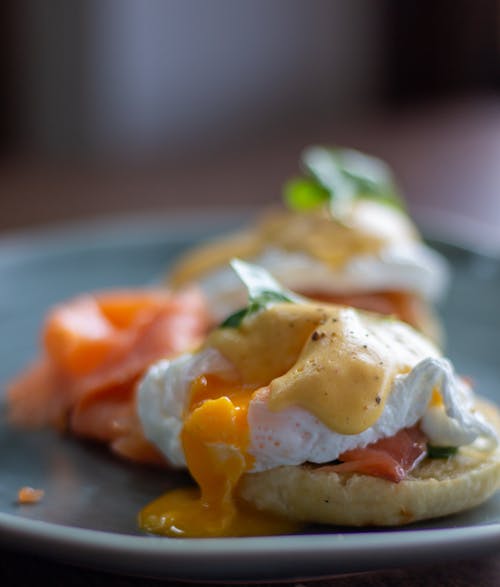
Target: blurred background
[(110, 107)]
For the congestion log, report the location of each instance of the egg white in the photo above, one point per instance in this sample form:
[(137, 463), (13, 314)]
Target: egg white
[(404, 263), (409, 266), (293, 435)]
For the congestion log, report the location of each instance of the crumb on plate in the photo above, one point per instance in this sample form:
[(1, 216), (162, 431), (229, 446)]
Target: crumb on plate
[(27, 495)]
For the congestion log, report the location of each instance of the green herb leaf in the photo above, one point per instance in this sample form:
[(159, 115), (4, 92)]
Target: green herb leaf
[(338, 177), (234, 320), (304, 194), (261, 285), (441, 452), (371, 176), (263, 291)]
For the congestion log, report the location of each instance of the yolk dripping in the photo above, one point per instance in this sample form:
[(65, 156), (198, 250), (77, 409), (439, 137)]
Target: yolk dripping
[(215, 439)]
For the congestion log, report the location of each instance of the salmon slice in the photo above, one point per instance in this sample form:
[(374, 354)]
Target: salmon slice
[(405, 306), (95, 348), (390, 458), (32, 398)]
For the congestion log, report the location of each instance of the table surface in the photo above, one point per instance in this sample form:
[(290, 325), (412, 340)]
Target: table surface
[(446, 157), (20, 570)]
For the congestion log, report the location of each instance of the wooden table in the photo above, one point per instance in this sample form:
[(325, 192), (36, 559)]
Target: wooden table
[(446, 157)]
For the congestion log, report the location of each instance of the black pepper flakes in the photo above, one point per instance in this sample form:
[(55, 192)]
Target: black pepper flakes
[(316, 335), (378, 399)]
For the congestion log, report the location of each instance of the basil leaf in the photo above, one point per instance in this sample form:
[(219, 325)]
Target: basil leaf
[(261, 285), (338, 177), (304, 194), (371, 176), (441, 452), (263, 291), (234, 320)]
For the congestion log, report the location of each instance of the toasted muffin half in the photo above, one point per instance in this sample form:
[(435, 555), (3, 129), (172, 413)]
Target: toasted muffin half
[(435, 488)]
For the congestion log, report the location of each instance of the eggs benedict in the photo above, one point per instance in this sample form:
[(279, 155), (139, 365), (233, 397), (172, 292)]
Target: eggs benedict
[(297, 411), (344, 237)]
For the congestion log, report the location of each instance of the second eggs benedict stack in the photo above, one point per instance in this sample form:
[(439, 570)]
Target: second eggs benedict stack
[(344, 237)]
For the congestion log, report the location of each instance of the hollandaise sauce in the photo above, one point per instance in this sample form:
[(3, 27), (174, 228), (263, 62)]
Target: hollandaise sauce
[(336, 363), (215, 438), (315, 233)]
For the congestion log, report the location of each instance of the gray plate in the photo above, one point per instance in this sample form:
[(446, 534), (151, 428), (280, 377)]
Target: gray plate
[(88, 515)]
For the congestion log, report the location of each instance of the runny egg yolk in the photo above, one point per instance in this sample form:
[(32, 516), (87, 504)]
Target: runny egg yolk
[(215, 438)]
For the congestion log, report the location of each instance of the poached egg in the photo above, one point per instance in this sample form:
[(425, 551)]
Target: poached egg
[(291, 383)]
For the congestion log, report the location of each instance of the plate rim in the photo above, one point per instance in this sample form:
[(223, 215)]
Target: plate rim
[(254, 558)]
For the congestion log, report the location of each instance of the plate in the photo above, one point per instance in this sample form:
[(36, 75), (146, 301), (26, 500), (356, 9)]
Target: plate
[(88, 515)]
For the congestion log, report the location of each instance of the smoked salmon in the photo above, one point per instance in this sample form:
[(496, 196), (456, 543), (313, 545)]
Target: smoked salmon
[(390, 458), (95, 347), (402, 305)]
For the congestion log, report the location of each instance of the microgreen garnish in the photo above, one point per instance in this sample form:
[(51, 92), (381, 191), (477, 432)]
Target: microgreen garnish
[(263, 291), (338, 177), (441, 452)]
